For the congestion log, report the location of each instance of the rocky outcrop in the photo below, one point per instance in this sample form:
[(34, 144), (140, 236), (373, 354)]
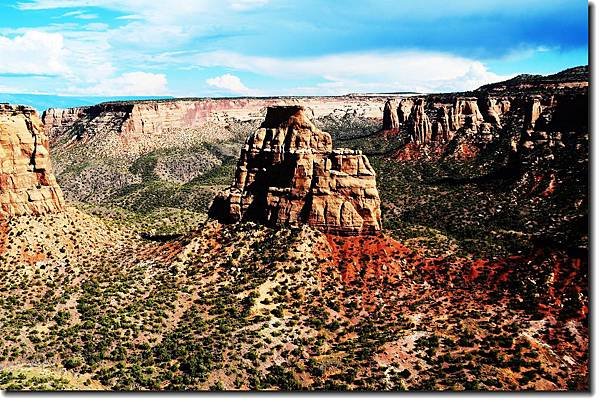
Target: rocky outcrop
[(492, 111), (404, 108), (27, 185), (437, 119), (419, 123), (570, 80), (465, 112), (390, 115), (533, 112), (288, 173), (441, 125)]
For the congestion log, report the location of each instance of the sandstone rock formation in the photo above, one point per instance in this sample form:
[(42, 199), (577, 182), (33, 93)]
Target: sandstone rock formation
[(465, 112), (27, 185), (419, 123), (490, 112), (441, 125), (390, 115), (130, 129), (444, 116), (572, 79), (404, 108), (288, 173), (533, 112)]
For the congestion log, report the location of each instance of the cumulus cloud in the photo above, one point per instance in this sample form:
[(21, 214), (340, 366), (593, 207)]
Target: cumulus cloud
[(131, 84), (355, 72), (159, 34), (34, 52), (229, 83), (69, 63)]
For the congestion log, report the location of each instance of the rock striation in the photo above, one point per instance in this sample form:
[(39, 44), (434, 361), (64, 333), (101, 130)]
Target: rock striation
[(288, 173), (427, 120), (465, 112), (133, 128), (419, 123), (441, 125), (27, 185)]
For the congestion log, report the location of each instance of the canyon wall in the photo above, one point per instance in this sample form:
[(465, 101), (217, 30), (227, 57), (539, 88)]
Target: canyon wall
[(437, 118), (135, 128), (27, 185)]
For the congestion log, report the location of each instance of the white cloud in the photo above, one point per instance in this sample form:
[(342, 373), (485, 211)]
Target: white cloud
[(34, 52), (229, 83), (80, 15), (242, 5), (355, 72), (131, 84), (72, 62), (88, 55), (151, 9), (130, 17), (5, 89), (153, 24)]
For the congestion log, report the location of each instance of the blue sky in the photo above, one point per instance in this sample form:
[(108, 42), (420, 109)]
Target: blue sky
[(281, 47)]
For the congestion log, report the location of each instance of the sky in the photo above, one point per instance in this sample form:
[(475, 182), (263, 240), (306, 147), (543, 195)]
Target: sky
[(201, 48)]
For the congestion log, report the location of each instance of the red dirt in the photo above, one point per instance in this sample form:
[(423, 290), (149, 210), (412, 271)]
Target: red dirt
[(414, 151), (165, 253), (3, 234), (369, 262)]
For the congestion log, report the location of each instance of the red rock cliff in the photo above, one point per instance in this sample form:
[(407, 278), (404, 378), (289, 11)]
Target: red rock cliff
[(27, 185), (131, 129)]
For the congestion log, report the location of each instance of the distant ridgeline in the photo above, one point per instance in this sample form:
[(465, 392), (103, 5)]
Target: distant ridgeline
[(43, 102)]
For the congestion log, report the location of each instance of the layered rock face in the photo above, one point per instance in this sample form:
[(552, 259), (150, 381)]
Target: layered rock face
[(27, 185), (437, 118), (288, 173), (463, 126), (419, 123), (433, 121), (130, 129), (441, 125), (491, 110), (466, 113), (573, 79)]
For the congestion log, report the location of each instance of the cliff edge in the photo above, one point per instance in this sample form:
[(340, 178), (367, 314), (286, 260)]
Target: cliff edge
[(27, 185)]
